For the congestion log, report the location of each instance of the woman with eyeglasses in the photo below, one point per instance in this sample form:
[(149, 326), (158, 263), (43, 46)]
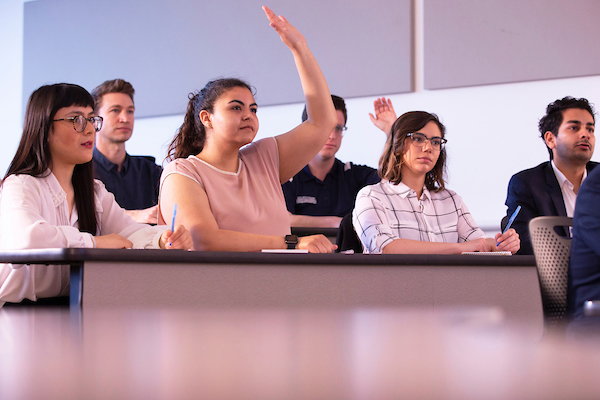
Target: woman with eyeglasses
[(228, 188), (410, 210), (49, 197)]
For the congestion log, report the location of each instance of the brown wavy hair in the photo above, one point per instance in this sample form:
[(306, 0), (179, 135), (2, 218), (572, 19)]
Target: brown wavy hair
[(393, 154)]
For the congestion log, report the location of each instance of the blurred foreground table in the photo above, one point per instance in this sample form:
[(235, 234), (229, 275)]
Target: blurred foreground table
[(370, 353)]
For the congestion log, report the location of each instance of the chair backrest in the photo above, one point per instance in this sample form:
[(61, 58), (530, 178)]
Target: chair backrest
[(347, 239), (552, 259)]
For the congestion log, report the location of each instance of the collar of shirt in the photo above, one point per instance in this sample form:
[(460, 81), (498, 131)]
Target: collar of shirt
[(107, 164), (59, 195), (337, 169), (57, 192), (404, 191), (562, 179)]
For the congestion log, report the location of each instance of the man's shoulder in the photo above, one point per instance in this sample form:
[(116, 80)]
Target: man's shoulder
[(533, 172), (144, 161), (303, 176), (350, 166), (591, 165), (361, 174)]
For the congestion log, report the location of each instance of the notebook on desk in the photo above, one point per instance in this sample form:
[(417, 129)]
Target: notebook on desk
[(487, 253)]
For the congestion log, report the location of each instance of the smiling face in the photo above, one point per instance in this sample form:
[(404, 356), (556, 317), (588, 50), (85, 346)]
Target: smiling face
[(233, 120), (67, 146), (418, 161), (118, 110), (574, 143)]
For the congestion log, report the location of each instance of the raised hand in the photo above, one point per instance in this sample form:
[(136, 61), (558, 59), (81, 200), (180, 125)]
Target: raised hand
[(287, 32), (385, 116)]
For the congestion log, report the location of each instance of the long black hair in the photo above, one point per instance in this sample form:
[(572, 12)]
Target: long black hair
[(33, 155)]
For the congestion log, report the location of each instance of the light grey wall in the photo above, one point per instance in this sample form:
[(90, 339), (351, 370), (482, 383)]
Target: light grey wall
[(169, 49), (492, 129), (489, 41)]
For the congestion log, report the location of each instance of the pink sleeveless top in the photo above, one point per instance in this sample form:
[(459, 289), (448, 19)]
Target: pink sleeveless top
[(250, 200)]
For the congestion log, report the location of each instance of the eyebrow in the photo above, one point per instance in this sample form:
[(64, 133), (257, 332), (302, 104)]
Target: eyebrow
[(242, 103), (579, 122), (91, 113), (433, 137), (119, 106)]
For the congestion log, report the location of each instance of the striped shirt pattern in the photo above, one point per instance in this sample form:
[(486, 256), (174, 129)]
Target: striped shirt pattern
[(386, 211)]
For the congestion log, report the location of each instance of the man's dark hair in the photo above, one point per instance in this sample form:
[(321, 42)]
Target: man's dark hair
[(338, 103), (112, 86), (554, 115)]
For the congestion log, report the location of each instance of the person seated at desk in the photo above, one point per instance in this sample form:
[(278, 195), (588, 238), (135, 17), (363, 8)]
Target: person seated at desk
[(134, 180), (49, 198), (410, 210), (230, 198), (325, 190), (550, 189), (584, 268)]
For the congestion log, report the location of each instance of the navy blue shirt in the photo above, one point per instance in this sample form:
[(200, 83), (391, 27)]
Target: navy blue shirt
[(584, 268), (136, 186), (307, 195)]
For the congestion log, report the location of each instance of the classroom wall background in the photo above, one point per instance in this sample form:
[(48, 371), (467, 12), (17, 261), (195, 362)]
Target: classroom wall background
[(491, 129)]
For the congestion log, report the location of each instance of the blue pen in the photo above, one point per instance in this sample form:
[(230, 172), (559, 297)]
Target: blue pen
[(510, 221), (174, 215)]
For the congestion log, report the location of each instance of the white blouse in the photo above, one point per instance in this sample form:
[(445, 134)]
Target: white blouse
[(34, 214)]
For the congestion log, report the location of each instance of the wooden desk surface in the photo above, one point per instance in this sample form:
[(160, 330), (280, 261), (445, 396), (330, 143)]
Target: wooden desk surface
[(370, 353)]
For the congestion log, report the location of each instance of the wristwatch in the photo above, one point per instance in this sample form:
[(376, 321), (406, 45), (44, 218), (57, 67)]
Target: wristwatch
[(291, 241)]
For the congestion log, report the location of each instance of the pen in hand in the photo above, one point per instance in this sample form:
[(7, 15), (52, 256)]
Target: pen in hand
[(173, 220), (510, 221)]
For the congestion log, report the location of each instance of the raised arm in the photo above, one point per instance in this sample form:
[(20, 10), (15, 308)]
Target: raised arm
[(385, 116), (298, 146)]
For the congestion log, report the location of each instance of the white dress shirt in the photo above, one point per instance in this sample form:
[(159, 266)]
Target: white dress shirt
[(566, 187), (34, 214)]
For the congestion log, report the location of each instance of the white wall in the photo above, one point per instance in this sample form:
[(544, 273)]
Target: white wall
[(492, 130)]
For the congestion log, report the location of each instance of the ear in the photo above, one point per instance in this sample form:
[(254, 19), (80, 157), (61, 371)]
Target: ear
[(205, 118), (550, 139)]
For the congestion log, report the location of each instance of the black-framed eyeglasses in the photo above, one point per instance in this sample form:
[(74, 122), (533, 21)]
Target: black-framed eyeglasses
[(339, 129), (80, 122), (419, 140)]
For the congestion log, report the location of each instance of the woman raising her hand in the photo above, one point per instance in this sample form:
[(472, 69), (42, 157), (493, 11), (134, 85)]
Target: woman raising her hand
[(229, 198)]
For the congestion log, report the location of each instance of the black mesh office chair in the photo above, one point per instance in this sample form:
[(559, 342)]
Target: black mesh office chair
[(552, 259), (347, 239)]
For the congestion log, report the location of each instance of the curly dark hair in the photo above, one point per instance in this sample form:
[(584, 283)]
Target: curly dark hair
[(554, 115)]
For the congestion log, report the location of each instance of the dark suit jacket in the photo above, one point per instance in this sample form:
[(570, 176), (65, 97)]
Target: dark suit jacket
[(537, 191), (584, 270)]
